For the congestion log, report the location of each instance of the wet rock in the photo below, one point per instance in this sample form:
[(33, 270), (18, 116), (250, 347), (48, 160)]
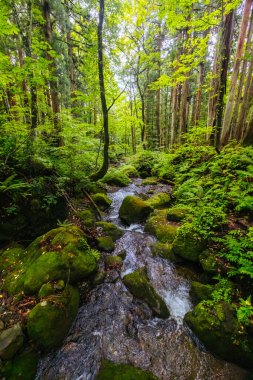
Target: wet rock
[(112, 276), (113, 262), (23, 366), (105, 243), (158, 226), (160, 200), (122, 254), (113, 371), (61, 254), (111, 230), (163, 250), (102, 200), (50, 320), (200, 292), (99, 278), (216, 325), (11, 340), (139, 285), (134, 209), (176, 214), (188, 244)]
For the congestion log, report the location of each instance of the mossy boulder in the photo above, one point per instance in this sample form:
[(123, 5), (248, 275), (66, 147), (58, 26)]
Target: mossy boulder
[(160, 200), (11, 257), (22, 367), (87, 217), (134, 209), (102, 201), (112, 262), (60, 254), (209, 262), (116, 178), (149, 181), (158, 225), (113, 371), (216, 325), (109, 229), (200, 292), (139, 285), (50, 320), (46, 290), (188, 244), (11, 340), (105, 243), (129, 170), (177, 214), (163, 250)]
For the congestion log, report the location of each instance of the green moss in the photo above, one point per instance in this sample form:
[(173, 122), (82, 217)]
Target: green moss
[(134, 209), (200, 292), (217, 327), (11, 258), (188, 244), (163, 250), (209, 262), (150, 181), (105, 243), (177, 213), (158, 226), (113, 371), (61, 254), (102, 200), (23, 366), (116, 178), (46, 290), (159, 200), (109, 229), (140, 286), (129, 170), (50, 320), (88, 217), (113, 262)]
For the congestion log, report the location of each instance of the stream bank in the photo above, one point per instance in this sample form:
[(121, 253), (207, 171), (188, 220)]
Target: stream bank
[(114, 325)]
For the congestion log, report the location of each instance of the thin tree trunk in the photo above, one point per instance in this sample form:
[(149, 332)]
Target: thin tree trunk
[(104, 168)]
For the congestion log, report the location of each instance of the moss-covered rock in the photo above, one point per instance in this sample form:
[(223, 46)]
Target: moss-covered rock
[(163, 250), (216, 325), (113, 371), (22, 367), (188, 244), (176, 214), (200, 292), (109, 229), (113, 262), (11, 257), (99, 278), (61, 254), (209, 262), (149, 181), (50, 320), (139, 285), (87, 217), (160, 200), (134, 209), (102, 200), (11, 340), (46, 290), (116, 178), (158, 225), (129, 170), (105, 243)]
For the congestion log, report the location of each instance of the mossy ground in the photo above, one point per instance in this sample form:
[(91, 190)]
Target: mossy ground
[(158, 225), (113, 371)]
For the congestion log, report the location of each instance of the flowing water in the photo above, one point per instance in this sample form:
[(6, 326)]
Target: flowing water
[(115, 326)]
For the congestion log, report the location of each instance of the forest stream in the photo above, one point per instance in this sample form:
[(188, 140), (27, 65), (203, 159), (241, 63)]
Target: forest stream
[(114, 325)]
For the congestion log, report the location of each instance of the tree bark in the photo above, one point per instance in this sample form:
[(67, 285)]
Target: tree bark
[(104, 168)]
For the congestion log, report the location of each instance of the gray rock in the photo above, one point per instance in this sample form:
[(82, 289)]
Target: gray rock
[(11, 340)]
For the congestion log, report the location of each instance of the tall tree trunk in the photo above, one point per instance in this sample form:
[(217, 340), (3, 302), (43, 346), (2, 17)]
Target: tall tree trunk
[(104, 168), (228, 115), (224, 56)]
